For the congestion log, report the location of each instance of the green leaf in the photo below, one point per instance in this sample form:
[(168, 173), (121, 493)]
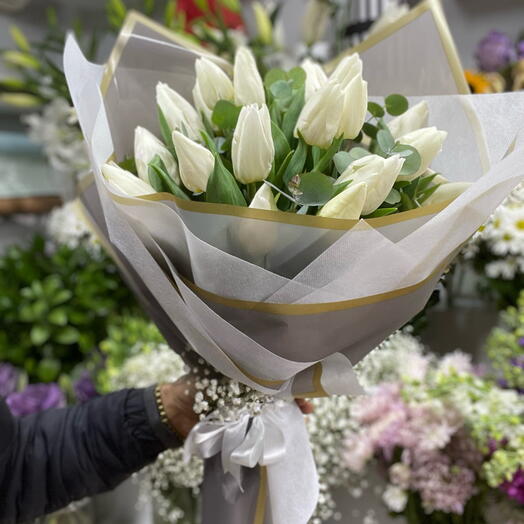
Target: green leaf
[(393, 197), (385, 140), (297, 76), (370, 130), (165, 131), (382, 212), (39, 334), (396, 104), (314, 189), (344, 158), (407, 202), (19, 39), (281, 90), (340, 187), (222, 188), (326, 158), (274, 75), (425, 194), (62, 296), (58, 316), (376, 110), (128, 164), (158, 174), (277, 177), (281, 144), (225, 115), (48, 369), (67, 335), (291, 116), (411, 157), (297, 162)]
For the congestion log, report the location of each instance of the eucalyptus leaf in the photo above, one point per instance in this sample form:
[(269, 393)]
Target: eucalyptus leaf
[(370, 130), (393, 197), (385, 140), (412, 159), (376, 109), (297, 76), (274, 75), (281, 89), (396, 104), (314, 189), (343, 159)]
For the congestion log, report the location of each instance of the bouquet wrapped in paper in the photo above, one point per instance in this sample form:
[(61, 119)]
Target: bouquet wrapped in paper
[(282, 227)]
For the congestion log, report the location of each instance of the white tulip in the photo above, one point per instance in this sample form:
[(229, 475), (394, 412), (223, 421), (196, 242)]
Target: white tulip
[(320, 117), (348, 204), (211, 85), (447, 192), (379, 174), (414, 118), (178, 112), (428, 142), (348, 74), (147, 146), (315, 77), (252, 150), (264, 199), (195, 162), (315, 21), (125, 181), (249, 88)]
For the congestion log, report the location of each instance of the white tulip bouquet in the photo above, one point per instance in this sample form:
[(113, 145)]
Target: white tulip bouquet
[(296, 141), (282, 228)]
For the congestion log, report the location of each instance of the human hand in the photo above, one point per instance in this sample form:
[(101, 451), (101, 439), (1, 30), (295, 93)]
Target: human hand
[(305, 406), (178, 399)]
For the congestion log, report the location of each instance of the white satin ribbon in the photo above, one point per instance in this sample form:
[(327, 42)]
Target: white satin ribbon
[(276, 438)]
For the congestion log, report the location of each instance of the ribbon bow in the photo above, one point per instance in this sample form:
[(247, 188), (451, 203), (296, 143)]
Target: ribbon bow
[(276, 438)]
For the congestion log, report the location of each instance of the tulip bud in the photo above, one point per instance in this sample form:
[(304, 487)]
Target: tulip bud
[(414, 118), (315, 21), (212, 85), (195, 162), (252, 150), (249, 88), (428, 142), (320, 117), (264, 199), (147, 146), (315, 77), (348, 74), (378, 174), (263, 22), (125, 181), (347, 205), (178, 112), (447, 192)]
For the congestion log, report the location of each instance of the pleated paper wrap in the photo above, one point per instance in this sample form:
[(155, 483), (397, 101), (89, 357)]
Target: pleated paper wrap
[(281, 302)]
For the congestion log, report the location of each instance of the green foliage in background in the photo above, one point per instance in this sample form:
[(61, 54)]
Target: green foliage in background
[(55, 306), (127, 335), (505, 346)]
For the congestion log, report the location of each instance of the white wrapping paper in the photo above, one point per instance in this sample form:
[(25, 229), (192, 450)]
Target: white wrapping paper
[(281, 302)]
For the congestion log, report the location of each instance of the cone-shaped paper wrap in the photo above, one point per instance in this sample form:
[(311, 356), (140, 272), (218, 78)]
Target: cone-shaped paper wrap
[(282, 302)]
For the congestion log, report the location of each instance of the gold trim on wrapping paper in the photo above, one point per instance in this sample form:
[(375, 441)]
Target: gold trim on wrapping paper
[(318, 389), (282, 216), (130, 21), (310, 309), (260, 508), (262, 381), (450, 49)]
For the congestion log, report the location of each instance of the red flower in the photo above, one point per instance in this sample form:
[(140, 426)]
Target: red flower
[(231, 19)]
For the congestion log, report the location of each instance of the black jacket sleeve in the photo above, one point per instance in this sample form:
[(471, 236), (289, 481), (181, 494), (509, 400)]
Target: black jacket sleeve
[(52, 458)]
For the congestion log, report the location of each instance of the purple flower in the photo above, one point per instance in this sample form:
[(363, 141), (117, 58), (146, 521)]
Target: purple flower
[(85, 388), (520, 50), (35, 398), (515, 488), (495, 51), (8, 380)]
